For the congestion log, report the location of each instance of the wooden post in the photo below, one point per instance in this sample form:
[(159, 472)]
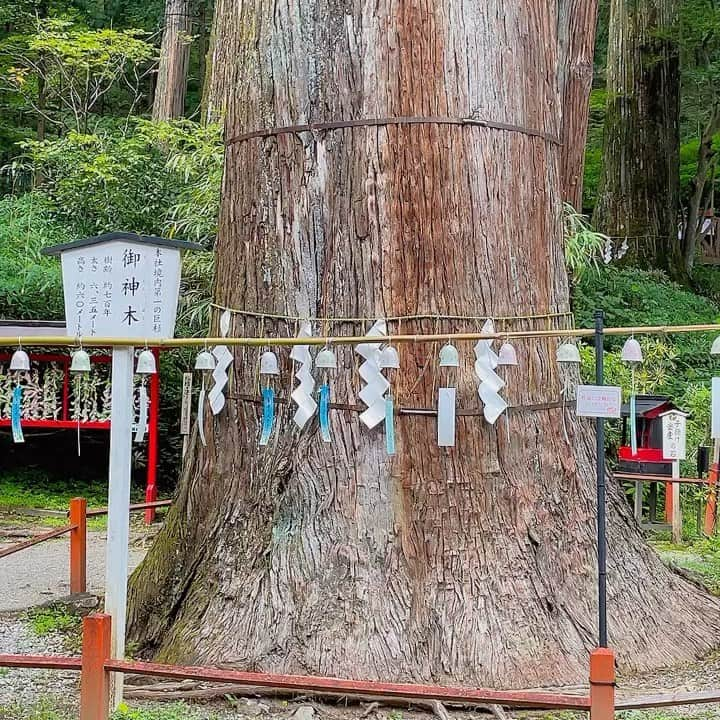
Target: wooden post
[(78, 545), (151, 493), (711, 507), (95, 680), (118, 529), (638, 501), (602, 684), (676, 510)]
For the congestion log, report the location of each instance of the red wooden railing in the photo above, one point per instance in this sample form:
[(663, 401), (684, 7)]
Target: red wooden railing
[(77, 516), (95, 666)]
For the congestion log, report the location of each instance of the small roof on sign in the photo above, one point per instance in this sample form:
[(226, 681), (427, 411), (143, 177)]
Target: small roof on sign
[(126, 236), (674, 411), (648, 406), (16, 328)]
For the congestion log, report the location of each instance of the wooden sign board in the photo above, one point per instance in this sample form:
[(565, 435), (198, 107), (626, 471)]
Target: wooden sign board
[(603, 401), (186, 404), (674, 435), (121, 288), (715, 416)]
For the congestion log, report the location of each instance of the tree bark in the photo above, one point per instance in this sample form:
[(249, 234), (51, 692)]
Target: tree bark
[(218, 64), (474, 564), (576, 36), (695, 215), (639, 193), (169, 101)]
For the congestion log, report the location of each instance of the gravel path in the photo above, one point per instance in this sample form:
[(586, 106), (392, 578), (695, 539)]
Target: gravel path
[(40, 573), (24, 687)]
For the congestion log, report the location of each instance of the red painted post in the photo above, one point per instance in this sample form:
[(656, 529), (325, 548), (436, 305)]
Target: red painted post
[(151, 487), (602, 684), (95, 679), (669, 490), (78, 545), (711, 506)]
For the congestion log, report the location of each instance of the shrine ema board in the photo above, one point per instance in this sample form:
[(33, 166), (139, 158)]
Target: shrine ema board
[(121, 285)]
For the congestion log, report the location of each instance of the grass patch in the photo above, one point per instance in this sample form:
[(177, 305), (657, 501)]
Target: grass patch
[(177, 711), (33, 489), (701, 557), (45, 709), (57, 620)]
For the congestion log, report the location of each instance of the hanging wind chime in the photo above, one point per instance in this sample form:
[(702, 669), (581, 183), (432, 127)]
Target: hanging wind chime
[(146, 365), (507, 357), (204, 363), (79, 366), (632, 353), (325, 361), (268, 367), (389, 360), (567, 354), (449, 358), (20, 362)]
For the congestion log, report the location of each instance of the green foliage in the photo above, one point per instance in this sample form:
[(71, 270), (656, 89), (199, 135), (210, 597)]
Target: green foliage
[(583, 246), (177, 711), (77, 67), (28, 488), (152, 178), (30, 283), (44, 709), (53, 620)]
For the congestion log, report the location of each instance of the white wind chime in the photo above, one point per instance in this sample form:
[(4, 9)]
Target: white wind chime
[(312, 389)]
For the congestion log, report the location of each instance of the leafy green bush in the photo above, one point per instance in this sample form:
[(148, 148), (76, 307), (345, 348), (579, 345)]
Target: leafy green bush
[(30, 283)]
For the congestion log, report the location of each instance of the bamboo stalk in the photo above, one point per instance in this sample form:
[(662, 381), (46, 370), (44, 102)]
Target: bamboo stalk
[(100, 342)]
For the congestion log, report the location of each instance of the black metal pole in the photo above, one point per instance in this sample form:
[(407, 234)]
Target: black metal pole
[(601, 535)]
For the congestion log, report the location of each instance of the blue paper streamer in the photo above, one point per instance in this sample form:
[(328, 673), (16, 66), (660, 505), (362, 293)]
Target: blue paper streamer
[(390, 425), (268, 414), (633, 426), (15, 413), (325, 412)]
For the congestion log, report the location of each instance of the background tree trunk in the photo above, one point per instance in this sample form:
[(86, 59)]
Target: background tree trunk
[(577, 21), (471, 565), (639, 193), (169, 102), (218, 64)]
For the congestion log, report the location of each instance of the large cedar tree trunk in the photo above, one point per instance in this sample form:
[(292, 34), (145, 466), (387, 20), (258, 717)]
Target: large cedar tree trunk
[(169, 101), (577, 21), (639, 191), (473, 565)]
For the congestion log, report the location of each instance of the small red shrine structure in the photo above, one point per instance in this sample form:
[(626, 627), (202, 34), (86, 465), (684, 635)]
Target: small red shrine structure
[(53, 398)]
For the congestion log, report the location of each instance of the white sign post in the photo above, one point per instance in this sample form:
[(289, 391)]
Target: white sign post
[(603, 401), (120, 286), (675, 449)]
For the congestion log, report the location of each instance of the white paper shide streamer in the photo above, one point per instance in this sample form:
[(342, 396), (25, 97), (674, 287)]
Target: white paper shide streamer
[(490, 382), (302, 394), (143, 406), (376, 384), (223, 358)]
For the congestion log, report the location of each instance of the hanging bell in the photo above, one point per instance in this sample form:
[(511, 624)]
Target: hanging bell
[(389, 358), (269, 364), (20, 360), (568, 353), (146, 363), (205, 361), (449, 356), (507, 355), (80, 362), (715, 349), (631, 352), (326, 359)]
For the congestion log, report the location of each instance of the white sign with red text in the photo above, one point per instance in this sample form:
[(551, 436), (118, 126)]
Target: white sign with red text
[(603, 401)]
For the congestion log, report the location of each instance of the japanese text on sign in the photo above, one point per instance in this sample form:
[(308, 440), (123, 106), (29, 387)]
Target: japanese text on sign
[(673, 426), (602, 401), (121, 289)]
